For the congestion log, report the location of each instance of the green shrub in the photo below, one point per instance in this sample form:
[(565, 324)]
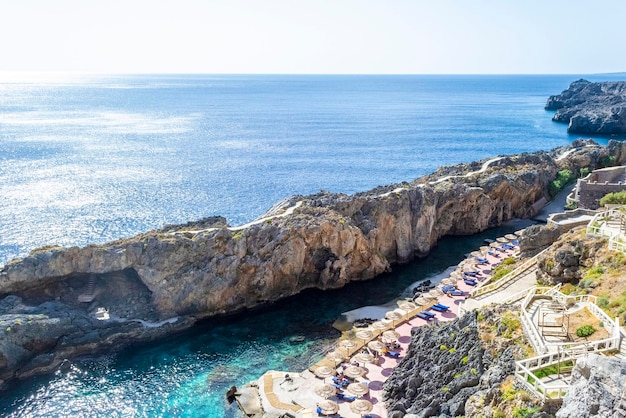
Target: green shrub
[(508, 261), (523, 412), (563, 178), (508, 394), (465, 360), (607, 160), (585, 331), (452, 350), (617, 198), (602, 302), (443, 347), (511, 322), (499, 272)]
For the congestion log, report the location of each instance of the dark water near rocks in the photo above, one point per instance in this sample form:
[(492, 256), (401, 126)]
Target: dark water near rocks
[(113, 156)]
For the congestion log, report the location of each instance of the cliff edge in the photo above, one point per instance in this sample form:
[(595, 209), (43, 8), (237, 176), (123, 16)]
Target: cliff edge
[(591, 108), (52, 301)]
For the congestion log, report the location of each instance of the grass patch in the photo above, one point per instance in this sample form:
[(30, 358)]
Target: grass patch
[(550, 370), (585, 331)]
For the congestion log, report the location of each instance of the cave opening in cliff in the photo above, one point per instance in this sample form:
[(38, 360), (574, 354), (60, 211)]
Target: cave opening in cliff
[(122, 293)]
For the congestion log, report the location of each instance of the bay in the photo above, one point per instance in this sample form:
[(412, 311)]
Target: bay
[(103, 157)]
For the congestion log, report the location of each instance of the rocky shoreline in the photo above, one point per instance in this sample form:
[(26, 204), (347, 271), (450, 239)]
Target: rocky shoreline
[(591, 108), (176, 275)]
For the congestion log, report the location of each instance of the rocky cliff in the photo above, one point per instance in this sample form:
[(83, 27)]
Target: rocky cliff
[(460, 368), (163, 280), (598, 389), (588, 108)]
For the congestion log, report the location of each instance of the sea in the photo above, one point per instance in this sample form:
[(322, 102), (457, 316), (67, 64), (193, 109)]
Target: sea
[(92, 158)]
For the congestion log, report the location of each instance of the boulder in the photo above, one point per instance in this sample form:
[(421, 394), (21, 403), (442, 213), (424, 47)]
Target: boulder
[(598, 388)]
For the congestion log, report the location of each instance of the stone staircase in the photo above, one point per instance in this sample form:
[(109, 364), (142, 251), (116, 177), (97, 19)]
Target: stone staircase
[(89, 295)]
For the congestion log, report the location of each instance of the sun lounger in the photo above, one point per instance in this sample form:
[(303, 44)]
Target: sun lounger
[(470, 282), (438, 308), (482, 260), (394, 354), (424, 316), (456, 293), (516, 242), (345, 397), (442, 306)]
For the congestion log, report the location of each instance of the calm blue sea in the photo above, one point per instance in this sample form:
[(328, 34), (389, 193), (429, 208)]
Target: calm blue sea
[(99, 158)]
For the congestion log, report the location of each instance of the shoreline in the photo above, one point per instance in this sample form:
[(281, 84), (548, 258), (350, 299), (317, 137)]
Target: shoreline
[(301, 396)]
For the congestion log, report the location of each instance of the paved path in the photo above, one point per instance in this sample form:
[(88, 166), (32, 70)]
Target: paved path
[(523, 282)]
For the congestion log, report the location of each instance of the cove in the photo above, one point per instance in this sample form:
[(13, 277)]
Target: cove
[(187, 374)]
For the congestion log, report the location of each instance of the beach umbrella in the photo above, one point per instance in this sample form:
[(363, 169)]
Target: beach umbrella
[(363, 357), (455, 274), (502, 240), (391, 335), (406, 305), (393, 316), (376, 345), (324, 372), (362, 406), (328, 407), (354, 371), (494, 244), (421, 301), (357, 389), (347, 344), (519, 233), (448, 282), (435, 293), (379, 325), (364, 334), (325, 390), (476, 254), (336, 356), (510, 237)]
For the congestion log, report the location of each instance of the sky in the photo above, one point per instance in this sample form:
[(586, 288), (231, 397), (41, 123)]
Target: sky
[(313, 37)]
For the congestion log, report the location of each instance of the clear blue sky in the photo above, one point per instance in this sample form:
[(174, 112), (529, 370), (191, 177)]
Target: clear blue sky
[(315, 36)]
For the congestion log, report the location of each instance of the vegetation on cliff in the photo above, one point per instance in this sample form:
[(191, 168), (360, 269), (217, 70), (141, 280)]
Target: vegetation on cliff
[(462, 368)]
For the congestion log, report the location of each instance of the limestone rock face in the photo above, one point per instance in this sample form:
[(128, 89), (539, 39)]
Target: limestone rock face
[(598, 388), (325, 240), (446, 365), (591, 107), (563, 261)]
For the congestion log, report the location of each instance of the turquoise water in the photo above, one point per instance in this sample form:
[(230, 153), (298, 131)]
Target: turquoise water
[(107, 157), (187, 375)]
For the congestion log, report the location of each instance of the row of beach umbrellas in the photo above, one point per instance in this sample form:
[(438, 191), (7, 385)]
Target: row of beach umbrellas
[(359, 406)]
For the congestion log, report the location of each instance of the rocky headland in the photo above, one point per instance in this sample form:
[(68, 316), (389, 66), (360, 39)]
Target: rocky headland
[(162, 281), (591, 108)]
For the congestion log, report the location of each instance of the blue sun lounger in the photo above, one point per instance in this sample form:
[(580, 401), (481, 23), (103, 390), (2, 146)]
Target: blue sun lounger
[(470, 282), (482, 260), (456, 293), (424, 316), (438, 308), (442, 306), (345, 397)]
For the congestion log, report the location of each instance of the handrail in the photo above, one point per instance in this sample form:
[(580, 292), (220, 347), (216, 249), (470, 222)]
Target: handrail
[(508, 277)]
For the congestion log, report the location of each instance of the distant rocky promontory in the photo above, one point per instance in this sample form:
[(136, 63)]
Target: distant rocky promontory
[(591, 108), (58, 303)]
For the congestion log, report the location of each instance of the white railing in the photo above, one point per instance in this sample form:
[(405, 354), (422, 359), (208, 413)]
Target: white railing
[(528, 326), (524, 373), (490, 287)]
